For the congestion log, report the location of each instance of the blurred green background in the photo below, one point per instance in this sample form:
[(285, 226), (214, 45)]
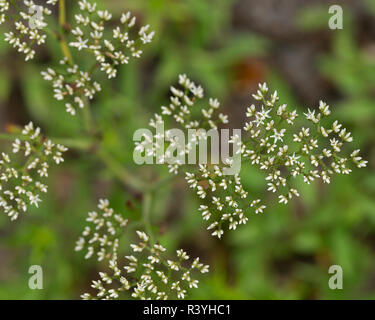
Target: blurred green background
[(228, 46)]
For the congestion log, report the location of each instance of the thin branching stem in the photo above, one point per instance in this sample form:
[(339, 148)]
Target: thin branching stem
[(127, 178), (80, 144), (62, 39), (146, 211)]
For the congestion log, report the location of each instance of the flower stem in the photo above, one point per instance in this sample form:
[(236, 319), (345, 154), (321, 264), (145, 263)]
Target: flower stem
[(62, 12), (88, 119), (62, 38), (146, 210), (127, 178), (81, 144)]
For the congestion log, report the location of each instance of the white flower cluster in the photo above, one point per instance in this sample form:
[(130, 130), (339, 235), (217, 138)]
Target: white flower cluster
[(227, 202), (103, 233), (183, 101), (89, 36), (20, 183), (313, 152), (149, 274), (29, 24), (73, 84), (275, 147), (4, 7)]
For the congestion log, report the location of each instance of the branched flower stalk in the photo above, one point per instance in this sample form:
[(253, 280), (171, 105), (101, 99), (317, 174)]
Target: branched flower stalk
[(315, 151), (21, 178), (29, 24), (106, 48), (184, 101), (226, 202), (271, 143), (77, 86), (149, 274), (101, 236)]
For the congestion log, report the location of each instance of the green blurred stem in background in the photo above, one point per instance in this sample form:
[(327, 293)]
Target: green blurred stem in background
[(120, 172), (81, 144), (146, 211)]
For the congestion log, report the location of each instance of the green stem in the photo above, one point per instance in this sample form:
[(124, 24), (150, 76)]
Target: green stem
[(10, 136), (88, 119), (81, 144), (62, 39), (127, 178), (163, 181), (62, 12), (146, 210)]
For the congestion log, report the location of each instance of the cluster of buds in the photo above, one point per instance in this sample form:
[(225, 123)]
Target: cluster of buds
[(284, 154), (101, 237), (226, 202), (29, 25), (73, 84), (20, 183), (148, 274), (182, 111)]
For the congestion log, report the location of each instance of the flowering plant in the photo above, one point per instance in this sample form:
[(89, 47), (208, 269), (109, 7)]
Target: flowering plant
[(271, 143)]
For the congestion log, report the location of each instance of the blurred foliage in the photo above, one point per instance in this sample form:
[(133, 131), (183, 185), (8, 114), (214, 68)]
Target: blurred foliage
[(284, 253)]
